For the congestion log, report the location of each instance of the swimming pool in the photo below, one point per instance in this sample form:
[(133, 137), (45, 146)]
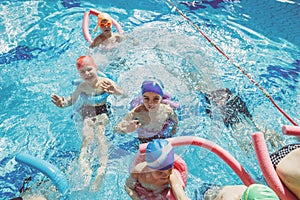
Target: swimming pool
[(42, 39)]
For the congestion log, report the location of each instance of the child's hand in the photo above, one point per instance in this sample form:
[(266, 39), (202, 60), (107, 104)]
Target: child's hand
[(132, 126), (59, 101), (108, 87)]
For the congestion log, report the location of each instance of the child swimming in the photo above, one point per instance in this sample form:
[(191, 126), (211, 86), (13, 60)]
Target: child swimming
[(95, 116), (107, 38), (152, 117), (241, 192), (159, 176)]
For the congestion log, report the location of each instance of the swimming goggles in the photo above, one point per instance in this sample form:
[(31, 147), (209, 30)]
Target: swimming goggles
[(105, 23)]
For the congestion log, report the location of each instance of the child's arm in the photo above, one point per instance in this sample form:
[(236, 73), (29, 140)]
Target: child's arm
[(127, 125), (65, 102), (61, 101), (97, 41), (177, 187)]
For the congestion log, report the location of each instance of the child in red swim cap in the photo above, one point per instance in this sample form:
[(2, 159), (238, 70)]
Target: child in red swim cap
[(94, 114), (92, 84)]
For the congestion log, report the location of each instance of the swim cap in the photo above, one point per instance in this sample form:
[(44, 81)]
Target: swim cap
[(104, 16), (159, 154), (152, 86), (259, 192), (85, 61)]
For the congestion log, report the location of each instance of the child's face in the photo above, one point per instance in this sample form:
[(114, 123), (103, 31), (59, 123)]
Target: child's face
[(162, 174), (88, 73), (105, 25), (151, 101)]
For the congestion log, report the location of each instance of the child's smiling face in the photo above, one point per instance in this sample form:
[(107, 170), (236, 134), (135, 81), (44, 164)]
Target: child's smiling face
[(88, 73)]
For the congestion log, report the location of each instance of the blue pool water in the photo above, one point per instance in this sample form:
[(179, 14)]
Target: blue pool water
[(41, 40)]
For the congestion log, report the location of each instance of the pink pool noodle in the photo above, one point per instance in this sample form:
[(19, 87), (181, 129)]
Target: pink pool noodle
[(267, 168), (227, 157), (291, 130), (85, 27)]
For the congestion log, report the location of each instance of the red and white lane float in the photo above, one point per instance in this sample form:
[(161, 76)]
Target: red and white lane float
[(291, 130)]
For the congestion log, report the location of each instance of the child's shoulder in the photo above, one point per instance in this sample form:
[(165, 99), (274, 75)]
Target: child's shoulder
[(140, 108)]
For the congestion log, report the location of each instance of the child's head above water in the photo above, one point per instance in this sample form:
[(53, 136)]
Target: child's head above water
[(104, 20), (259, 192), (85, 61), (159, 155), (152, 86)]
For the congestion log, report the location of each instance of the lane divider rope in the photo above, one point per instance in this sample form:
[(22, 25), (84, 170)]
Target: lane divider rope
[(232, 61)]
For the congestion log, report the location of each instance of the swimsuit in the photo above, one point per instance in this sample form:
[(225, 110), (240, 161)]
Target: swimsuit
[(92, 111), (146, 135), (149, 139), (154, 193), (281, 153)]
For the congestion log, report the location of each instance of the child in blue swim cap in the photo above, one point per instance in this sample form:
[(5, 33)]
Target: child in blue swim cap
[(159, 175), (160, 155), (152, 117)]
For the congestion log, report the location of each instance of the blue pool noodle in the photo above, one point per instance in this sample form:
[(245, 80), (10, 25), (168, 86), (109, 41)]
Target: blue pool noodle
[(58, 177)]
